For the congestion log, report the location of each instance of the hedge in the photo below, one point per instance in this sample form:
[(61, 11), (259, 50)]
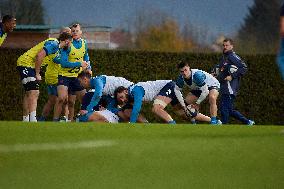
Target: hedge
[(260, 97)]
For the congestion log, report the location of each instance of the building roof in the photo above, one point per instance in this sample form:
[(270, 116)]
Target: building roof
[(55, 27)]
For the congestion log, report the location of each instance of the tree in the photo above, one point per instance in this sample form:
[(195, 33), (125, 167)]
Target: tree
[(26, 11), (260, 30)]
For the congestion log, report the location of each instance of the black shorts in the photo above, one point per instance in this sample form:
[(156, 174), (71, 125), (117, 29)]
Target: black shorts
[(28, 78), (169, 91)]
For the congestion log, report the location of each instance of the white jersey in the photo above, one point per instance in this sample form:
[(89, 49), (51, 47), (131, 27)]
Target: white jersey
[(210, 80), (113, 82), (151, 88), (109, 116)]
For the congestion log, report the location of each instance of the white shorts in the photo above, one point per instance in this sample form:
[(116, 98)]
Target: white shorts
[(111, 117)]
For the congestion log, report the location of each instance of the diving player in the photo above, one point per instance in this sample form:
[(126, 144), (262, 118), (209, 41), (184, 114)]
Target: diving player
[(28, 66), (201, 85), (7, 25)]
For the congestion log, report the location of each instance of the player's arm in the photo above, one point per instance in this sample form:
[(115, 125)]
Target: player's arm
[(138, 93), (179, 82), (241, 65), (87, 59), (204, 93), (98, 83), (62, 59), (39, 58)]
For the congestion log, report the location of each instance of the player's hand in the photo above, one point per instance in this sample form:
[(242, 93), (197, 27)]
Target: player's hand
[(84, 65), (89, 71), (229, 78), (38, 77), (83, 112)]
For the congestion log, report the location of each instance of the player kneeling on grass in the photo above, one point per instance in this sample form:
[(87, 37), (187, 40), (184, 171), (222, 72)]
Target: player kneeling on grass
[(105, 111), (201, 84), (161, 92)]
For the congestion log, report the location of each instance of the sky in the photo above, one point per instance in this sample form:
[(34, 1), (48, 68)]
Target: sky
[(216, 16)]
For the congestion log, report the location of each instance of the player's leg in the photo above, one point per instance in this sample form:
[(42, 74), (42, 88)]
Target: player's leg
[(225, 107), (164, 97), (26, 113), (71, 104), (237, 115), (158, 108), (61, 99), (49, 105), (213, 95), (31, 87)]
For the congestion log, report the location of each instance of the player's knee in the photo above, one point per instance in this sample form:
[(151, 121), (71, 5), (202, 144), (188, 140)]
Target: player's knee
[(156, 109)]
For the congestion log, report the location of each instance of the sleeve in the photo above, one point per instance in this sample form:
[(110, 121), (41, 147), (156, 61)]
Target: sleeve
[(112, 106), (86, 100), (138, 93), (97, 94), (242, 67), (62, 59), (50, 47), (204, 92), (179, 81), (86, 56)]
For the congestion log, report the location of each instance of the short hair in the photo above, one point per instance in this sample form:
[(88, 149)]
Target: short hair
[(182, 64), (75, 25), (119, 90), (228, 40), (63, 36), (8, 18), (84, 74), (65, 29)]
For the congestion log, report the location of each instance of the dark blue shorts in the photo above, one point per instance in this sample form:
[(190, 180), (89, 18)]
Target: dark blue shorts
[(52, 90), (72, 83), (28, 78), (169, 91)]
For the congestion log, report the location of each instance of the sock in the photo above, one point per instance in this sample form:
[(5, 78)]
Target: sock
[(26, 118), (213, 120), (172, 122), (33, 116)]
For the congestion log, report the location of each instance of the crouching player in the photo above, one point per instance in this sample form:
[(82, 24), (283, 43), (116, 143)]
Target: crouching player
[(201, 84), (161, 92), (105, 111)]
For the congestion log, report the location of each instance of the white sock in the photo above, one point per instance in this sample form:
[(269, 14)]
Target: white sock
[(26, 118), (33, 116)]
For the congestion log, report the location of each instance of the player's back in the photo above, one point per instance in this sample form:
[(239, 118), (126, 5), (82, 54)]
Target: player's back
[(151, 88), (113, 82)]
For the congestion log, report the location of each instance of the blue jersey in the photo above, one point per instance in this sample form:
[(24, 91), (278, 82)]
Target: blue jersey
[(105, 85), (228, 60), (106, 101), (62, 59)]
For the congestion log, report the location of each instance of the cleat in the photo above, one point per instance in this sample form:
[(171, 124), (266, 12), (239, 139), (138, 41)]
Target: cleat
[(251, 123)]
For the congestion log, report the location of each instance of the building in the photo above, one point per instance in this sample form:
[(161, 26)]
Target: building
[(26, 36)]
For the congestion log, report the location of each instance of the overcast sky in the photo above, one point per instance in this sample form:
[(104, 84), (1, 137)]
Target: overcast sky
[(219, 16)]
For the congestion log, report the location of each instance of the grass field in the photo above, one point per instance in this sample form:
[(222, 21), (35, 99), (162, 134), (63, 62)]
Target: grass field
[(73, 155)]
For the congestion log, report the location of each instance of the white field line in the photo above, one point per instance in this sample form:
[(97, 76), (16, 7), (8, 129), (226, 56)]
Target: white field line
[(54, 146)]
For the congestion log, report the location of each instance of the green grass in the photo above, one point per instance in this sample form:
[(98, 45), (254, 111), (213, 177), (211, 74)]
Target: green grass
[(143, 156)]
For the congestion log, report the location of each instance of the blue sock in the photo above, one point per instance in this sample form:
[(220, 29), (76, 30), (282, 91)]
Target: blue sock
[(172, 122), (213, 120)]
